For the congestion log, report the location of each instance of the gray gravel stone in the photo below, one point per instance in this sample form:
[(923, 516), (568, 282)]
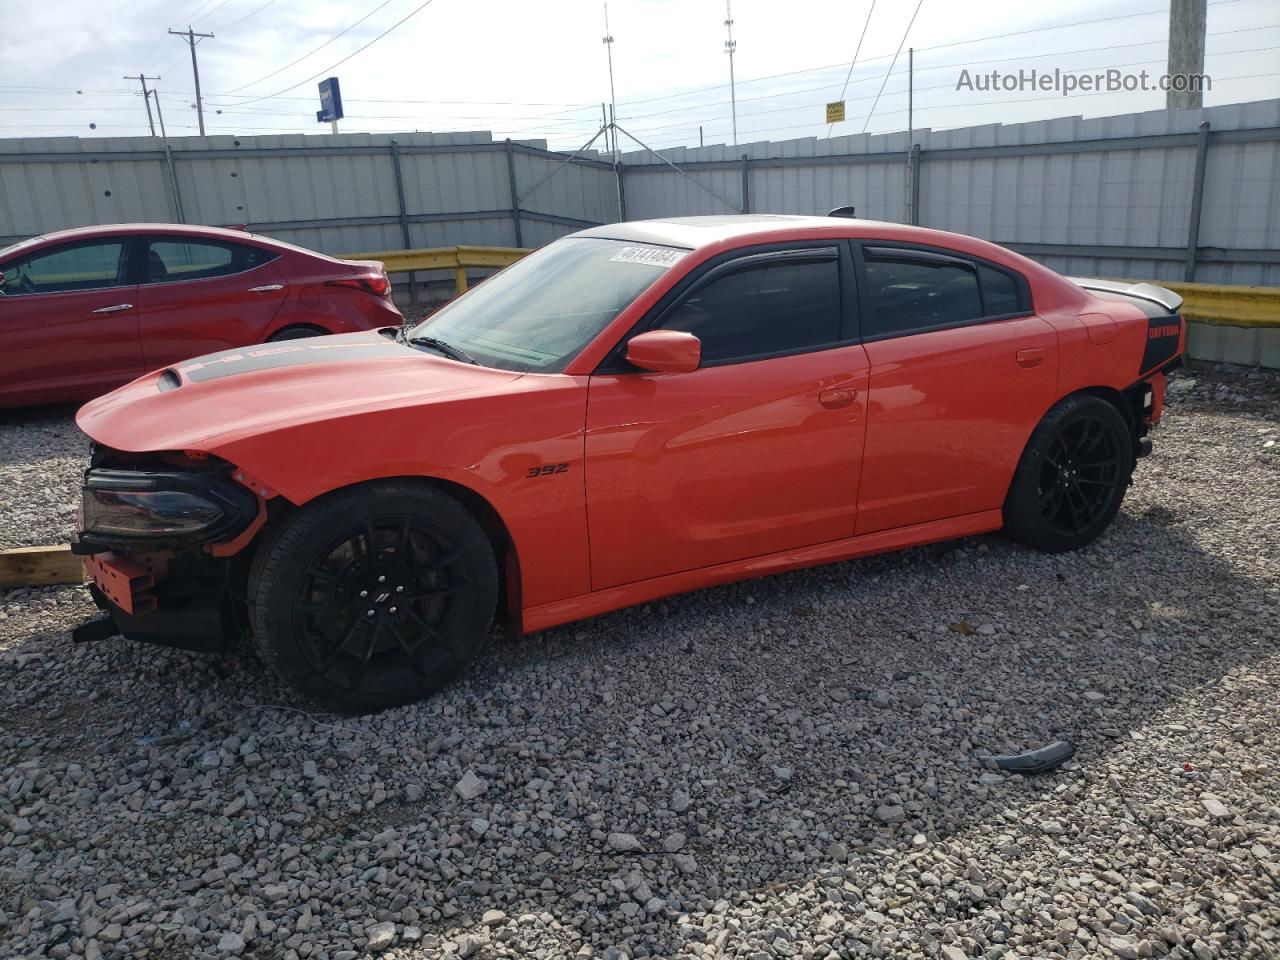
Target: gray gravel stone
[(878, 684)]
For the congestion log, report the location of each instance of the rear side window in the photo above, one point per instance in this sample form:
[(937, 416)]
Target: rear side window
[(770, 309), (914, 291), (1000, 293), (169, 261), (85, 266)]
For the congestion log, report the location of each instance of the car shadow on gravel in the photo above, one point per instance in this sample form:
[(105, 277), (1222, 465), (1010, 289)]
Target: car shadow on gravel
[(645, 764)]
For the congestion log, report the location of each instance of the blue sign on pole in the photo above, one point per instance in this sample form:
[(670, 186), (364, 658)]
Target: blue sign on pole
[(330, 101)]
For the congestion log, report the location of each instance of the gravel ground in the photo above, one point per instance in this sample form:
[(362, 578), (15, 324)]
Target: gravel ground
[(780, 768), (42, 455)]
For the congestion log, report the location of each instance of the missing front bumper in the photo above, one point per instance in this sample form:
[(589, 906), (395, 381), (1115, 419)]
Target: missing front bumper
[(190, 609)]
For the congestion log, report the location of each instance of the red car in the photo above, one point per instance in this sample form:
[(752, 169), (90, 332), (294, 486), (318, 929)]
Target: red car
[(83, 311), (633, 411)]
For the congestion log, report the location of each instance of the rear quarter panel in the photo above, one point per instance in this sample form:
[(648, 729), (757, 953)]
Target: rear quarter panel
[(1102, 344), (332, 308)]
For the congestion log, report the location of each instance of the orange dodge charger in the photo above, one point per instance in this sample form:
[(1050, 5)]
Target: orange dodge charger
[(632, 411)]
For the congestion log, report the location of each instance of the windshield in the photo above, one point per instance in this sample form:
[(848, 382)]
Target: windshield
[(538, 313)]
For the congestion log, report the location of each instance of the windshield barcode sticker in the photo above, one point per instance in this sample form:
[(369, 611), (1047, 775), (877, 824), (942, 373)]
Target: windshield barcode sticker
[(650, 256)]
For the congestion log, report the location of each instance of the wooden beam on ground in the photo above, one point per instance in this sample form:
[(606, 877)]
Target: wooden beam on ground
[(39, 567)]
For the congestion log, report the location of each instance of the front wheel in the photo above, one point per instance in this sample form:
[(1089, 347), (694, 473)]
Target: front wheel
[(375, 596), (1072, 477)]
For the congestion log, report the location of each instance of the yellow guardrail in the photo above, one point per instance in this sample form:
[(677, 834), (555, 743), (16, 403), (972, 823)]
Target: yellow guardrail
[(1205, 302), (1228, 305), (456, 259)]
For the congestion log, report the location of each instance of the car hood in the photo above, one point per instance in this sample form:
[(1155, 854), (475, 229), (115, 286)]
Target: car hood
[(224, 397)]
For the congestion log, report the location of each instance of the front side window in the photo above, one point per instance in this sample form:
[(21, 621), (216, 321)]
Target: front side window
[(773, 308), (85, 266), (538, 313), (173, 260)]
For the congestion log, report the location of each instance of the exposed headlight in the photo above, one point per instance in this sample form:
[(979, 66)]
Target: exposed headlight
[(171, 506)]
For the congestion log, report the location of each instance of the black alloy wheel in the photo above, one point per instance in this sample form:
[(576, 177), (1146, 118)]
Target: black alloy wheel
[(1072, 477), (373, 596), (378, 601), (1081, 475)]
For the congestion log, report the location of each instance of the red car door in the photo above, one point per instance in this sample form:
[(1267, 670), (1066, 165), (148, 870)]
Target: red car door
[(961, 373), (756, 452), (201, 295), (68, 322)]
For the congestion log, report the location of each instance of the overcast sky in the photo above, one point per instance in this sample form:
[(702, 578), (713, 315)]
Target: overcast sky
[(537, 68)]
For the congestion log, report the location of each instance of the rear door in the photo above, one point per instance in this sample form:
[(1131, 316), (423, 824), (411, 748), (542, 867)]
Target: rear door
[(961, 371), (68, 322), (201, 295)]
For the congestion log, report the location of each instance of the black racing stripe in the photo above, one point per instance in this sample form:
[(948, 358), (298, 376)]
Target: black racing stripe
[(291, 353), (1163, 336)]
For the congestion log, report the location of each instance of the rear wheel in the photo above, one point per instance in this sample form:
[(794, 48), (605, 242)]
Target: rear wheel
[(1072, 477), (374, 596)]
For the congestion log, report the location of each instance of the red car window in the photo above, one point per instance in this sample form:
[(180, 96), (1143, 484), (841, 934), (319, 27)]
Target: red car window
[(173, 260), (85, 266)]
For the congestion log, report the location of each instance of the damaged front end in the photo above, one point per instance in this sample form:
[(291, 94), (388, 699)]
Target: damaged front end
[(163, 536)]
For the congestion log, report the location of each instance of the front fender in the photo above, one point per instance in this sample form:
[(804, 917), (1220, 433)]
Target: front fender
[(493, 447)]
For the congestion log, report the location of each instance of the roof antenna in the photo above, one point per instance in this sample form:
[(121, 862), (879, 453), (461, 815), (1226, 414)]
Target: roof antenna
[(843, 212)]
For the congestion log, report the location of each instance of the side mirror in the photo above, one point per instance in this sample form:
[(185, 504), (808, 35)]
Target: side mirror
[(665, 351)]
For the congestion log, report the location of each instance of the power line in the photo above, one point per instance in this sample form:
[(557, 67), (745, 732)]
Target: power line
[(412, 13), (901, 43), (253, 13), (291, 63), (691, 124), (955, 43), (952, 65), (856, 50)]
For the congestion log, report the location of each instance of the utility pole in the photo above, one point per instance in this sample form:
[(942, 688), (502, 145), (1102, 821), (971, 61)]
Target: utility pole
[(146, 98), (1186, 52), (613, 103), (911, 132), (730, 46), (192, 38), (160, 116)]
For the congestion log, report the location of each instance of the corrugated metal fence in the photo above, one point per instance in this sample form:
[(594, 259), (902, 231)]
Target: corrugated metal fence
[(1165, 195), (1114, 196), (332, 193)]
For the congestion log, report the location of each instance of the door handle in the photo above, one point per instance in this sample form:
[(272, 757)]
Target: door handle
[(266, 288), (837, 397), (115, 308), (1030, 357)]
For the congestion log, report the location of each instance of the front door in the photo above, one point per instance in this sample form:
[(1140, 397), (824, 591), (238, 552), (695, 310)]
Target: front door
[(68, 322), (758, 451)]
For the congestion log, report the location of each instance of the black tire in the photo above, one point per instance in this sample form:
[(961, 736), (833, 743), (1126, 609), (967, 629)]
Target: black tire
[(295, 333), (1072, 477), (325, 622)]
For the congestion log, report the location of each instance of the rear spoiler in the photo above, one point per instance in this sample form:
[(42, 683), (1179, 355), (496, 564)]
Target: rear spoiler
[(1119, 289)]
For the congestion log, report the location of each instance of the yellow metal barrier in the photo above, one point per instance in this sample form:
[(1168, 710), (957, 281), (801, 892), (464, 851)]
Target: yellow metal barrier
[(456, 259), (1205, 302), (1228, 306)]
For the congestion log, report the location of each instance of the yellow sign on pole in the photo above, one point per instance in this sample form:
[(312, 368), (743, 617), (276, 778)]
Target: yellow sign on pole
[(835, 112)]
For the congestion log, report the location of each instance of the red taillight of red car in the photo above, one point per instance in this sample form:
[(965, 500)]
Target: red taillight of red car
[(376, 284)]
